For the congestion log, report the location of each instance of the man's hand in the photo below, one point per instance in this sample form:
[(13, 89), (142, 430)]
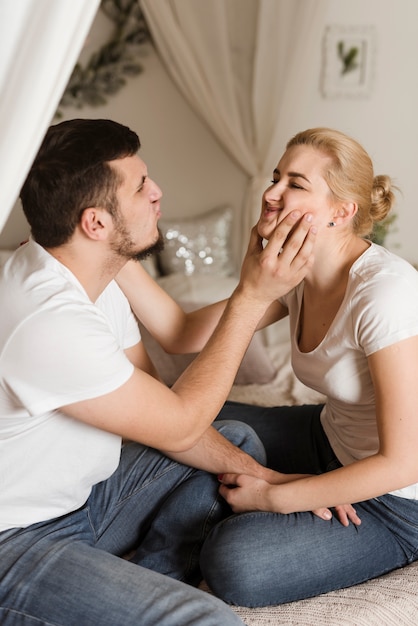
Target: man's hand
[(273, 271)]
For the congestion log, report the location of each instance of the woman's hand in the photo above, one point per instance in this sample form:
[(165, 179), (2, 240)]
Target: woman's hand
[(346, 513), (247, 493)]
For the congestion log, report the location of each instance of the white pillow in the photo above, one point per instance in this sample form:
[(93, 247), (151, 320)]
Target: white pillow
[(192, 292), (197, 288), (256, 366)]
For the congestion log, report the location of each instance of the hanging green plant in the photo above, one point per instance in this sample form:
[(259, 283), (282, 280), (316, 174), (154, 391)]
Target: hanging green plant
[(382, 229), (108, 68)]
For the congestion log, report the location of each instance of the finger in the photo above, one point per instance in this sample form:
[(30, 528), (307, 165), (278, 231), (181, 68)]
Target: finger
[(296, 250), (223, 490), (255, 242), (227, 496), (347, 513), (281, 232), (354, 518), (323, 513), (228, 493), (299, 244), (342, 516), (228, 479)]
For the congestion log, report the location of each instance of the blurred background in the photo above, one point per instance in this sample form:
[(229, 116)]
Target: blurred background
[(356, 73)]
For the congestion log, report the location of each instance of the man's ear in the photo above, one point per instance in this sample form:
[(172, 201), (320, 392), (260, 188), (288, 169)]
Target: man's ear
[(95, 223)]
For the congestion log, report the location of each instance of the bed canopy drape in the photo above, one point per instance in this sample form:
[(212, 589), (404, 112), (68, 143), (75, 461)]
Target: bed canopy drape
[(40, 41), (240, 65)]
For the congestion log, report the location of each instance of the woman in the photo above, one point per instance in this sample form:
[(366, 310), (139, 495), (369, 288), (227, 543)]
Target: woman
[(354, 334)]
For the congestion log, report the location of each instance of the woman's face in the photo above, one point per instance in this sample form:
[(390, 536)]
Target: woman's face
[(298, 183)]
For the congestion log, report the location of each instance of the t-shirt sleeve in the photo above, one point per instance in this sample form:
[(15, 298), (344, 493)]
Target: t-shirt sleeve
[(387, 312), (123, 323), (64, 354)]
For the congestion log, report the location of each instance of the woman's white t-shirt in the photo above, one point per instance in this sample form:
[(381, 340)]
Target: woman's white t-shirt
[(380, 308)]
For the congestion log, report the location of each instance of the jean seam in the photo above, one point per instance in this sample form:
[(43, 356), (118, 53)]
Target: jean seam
[(34, 620), (413, 552), (205, 532), (149, 482), (120, 503)]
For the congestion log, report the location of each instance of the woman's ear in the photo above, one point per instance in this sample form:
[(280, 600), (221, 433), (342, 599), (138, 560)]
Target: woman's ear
[(348, 210), (344, 212), (95, 223)]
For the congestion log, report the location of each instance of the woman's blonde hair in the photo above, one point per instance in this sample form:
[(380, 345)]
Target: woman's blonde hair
[(350, 176)]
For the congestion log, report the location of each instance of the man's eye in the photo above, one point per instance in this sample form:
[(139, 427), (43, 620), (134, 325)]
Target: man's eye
[(142, 185)]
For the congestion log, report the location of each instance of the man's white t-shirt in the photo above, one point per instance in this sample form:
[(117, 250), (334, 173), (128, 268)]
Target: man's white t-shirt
[(380, 308), (56, 348)]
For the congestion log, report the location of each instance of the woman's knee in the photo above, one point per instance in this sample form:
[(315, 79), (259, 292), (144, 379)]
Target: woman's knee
[(228, 561)]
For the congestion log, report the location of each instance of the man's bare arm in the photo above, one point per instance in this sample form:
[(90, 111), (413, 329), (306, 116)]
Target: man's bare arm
[(174, 419)]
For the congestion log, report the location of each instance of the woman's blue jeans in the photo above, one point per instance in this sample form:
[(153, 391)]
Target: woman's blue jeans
[(259, 559), (69, 571)]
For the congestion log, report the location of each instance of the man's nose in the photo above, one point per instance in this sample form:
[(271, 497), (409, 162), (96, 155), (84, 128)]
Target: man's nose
[(156, 192)]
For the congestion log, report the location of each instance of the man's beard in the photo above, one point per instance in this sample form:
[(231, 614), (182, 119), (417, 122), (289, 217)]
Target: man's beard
[(124, 247), (158, 246)]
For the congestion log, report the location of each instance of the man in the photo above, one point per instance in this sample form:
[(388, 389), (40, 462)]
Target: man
[(76, 380)]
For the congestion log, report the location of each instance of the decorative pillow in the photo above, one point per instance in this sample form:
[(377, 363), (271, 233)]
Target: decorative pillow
[(198, 245), (198, 288), (256, 366)]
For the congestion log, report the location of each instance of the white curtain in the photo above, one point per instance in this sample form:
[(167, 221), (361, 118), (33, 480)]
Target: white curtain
[(40, 41), (240, 64)]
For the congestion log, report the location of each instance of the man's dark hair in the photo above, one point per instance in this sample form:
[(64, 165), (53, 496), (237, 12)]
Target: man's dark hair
[(71, 173)]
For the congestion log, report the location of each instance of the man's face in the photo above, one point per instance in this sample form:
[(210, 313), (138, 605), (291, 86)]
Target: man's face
[(136, 232)]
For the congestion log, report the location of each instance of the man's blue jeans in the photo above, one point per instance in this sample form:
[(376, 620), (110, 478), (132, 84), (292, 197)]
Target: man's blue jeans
[(258, 559), (69, 571)]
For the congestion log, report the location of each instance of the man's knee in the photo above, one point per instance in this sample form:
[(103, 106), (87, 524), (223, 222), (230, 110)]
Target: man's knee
[(242, 436)]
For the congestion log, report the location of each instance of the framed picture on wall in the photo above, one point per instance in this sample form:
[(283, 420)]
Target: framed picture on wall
[(348, 62)]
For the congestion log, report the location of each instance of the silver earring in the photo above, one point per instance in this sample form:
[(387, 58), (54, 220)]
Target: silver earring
[(331, 224)]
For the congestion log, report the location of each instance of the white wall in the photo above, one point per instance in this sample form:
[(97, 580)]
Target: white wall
[(386, 123), (194, 172)]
